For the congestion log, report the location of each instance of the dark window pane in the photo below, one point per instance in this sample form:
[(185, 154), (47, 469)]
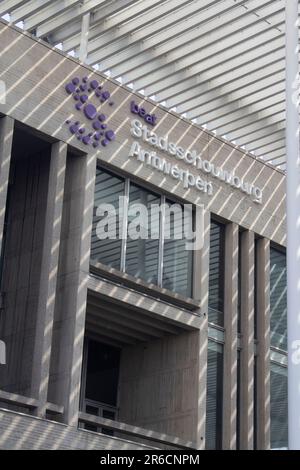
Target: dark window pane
[(92, 410), (216, 274), (238, 400), (91, 427), (102, 373), (178, 261), (107, 414), (141, 253), (108, 189), (279, 407), (255, 417), (239, 326), (214, 399), (107, 432), (278, 299)]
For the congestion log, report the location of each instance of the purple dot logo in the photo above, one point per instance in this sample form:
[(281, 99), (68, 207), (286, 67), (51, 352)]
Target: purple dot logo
[(90, 111), (88, 96)]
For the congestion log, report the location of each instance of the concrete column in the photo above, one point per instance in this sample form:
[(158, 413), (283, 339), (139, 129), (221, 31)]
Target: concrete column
[(72, 288), (263, 347), (6, 138), (230, 325), (200, 289), (48, 279), (247, 340)]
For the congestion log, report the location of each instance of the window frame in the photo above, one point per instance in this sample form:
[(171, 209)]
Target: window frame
[(282, 250), (221, 273), (219, 430), (98, 268), (280, 363)]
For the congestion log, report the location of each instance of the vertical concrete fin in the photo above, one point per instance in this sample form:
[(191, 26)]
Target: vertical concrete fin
[(247, 248), (200, 279), (73, 282), (48, 279), (263, 346), (230, 324)]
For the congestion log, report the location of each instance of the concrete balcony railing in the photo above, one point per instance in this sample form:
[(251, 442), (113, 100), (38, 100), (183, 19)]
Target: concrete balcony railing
[(137, 432)]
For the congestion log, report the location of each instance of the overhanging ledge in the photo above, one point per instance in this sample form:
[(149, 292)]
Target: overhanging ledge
[(157, 309)]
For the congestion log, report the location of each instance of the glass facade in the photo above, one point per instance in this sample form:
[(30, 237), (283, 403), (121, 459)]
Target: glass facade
[(278, 299), (278, 327), (159, 256), (214, 398), (107, 191), (279, 407), (239, 323), (142, 253), (153, 248), (255, 418), (216, 274), (177, 273), (238, 399)]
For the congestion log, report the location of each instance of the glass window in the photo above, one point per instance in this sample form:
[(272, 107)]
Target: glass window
[(279, 407), (216, 274), (238, 400), (108, 189), (142, 253), (177, 262), (278, 299), (214, 398), (151, 249), (102, 373), (255, 420), (239, 323)]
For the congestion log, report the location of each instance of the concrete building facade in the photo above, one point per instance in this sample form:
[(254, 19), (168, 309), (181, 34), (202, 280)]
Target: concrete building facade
[(120, 344)]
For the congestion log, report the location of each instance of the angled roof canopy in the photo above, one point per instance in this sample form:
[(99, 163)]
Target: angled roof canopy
[(220, 63)]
